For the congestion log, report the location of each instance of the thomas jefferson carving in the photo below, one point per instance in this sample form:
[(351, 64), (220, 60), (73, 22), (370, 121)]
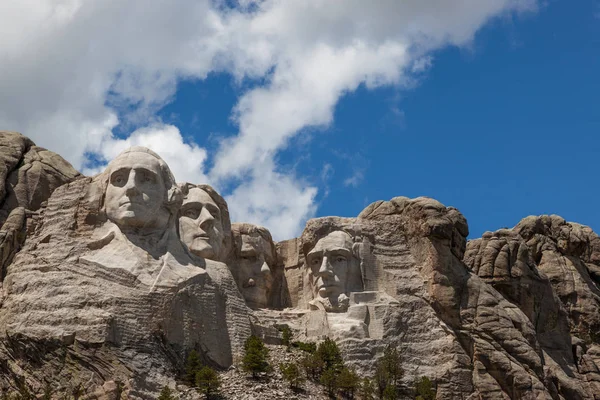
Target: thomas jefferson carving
[(204, 225)]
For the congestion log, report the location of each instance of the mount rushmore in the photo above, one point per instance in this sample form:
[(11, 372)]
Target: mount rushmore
[(117, 277)]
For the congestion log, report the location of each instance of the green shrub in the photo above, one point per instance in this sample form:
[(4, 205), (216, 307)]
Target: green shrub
[(255, 358), (347, 382), (424, 389), (193, 364), (166, 394), (329, 380), (207, 381), (291, 373), (309, 347), (329, 352), (313, 366)]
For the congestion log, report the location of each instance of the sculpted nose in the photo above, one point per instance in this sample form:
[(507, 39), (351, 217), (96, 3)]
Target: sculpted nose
[(130, 186), (206, 219), (264, 269), (325, 269)]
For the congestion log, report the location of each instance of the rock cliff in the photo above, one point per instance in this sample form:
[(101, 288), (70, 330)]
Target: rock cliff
[(28, 175), (99, 292)]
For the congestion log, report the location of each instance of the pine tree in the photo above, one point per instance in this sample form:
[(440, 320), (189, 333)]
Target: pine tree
[(286, 336), (23, 390), (424, 389), (366, 390), (329, 380), (381, 379), (255, 359), (207, 381), (166, 394), (390, 393), (291, 373), (313, 366), (120, 389), (392, 364), (347, 382), (329, 352), (192, 366), (388, 372)]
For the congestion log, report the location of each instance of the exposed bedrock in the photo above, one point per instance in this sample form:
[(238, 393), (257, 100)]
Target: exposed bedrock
[(28, 176), (110, 281)]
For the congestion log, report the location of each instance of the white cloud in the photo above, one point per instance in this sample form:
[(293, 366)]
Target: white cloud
[(73, 69), (277, 201), (355, 179), (186, 160), (422, 64)]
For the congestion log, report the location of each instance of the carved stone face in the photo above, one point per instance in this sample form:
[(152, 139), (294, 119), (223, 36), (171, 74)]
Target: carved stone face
[(253, 272), (136, 193), (200, 226), (332, 263)]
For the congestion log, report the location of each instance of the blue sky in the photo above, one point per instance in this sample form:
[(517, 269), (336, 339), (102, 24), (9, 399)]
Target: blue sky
[(493, 110), (502, 129)]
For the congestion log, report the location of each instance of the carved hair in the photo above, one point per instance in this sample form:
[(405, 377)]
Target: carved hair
[(173, 199), (239, 229), (318, 228), (250, 229)]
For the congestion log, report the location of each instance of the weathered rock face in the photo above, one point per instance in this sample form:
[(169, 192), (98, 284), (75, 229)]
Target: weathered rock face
[(122, 274), (546, 267), (253, 263), (107, 281), (28, 175), (492, 342), (491, 327)]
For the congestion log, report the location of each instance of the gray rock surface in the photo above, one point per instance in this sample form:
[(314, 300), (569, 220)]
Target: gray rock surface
[(108, 282), (253, 263), (546, 267), (95, 284), (28, 176), (491, 327), (28, 173)]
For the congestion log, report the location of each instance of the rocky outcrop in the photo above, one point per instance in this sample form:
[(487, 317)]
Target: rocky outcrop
[(28, 176), (28, 173), (490, 341), (119, 276), (545, 266), (493, 326), (99, 306)]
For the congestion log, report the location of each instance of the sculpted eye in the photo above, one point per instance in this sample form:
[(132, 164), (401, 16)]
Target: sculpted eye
[(118, 179), (148, 178), (315, 261), (214, 211), (191, 213), (340, 259)]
